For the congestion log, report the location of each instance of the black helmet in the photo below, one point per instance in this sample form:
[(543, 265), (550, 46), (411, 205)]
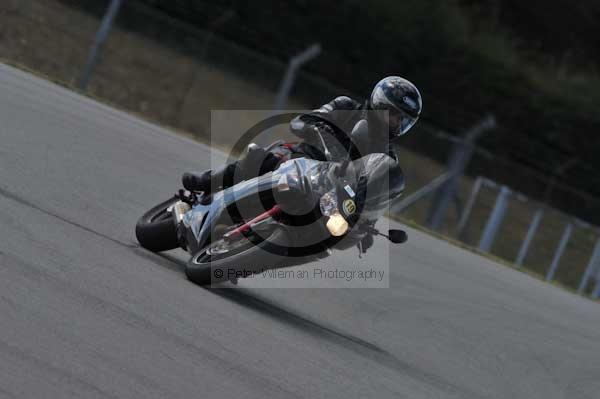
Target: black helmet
[(401, 99)]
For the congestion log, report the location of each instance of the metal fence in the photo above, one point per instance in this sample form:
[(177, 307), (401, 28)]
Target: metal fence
[(533, 235), (174, 73), (494, 218)]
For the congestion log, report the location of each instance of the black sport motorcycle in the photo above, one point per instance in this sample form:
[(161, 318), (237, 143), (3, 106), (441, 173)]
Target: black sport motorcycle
[(290, 216)]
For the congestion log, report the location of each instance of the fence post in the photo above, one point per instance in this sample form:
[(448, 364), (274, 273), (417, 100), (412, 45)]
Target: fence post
[(596, 292), (461, 154), (99, 40), (420, 193), (464, 217), (495, 220), (591, 267), (290, 74), (562, 245), (533, 226), (180, 107)]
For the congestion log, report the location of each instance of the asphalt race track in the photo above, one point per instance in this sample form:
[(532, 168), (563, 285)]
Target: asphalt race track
[(86, 313)]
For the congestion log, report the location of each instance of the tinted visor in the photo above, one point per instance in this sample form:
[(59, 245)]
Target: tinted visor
[(400, 122)]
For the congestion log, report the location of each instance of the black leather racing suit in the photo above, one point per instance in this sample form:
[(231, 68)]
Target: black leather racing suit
[(335, 121)]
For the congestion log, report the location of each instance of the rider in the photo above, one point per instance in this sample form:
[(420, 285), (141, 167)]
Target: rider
[(392, 109), (395, 103)]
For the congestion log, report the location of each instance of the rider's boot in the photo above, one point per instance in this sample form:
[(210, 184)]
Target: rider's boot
[(197, 182), (257, 161), (210, 181)]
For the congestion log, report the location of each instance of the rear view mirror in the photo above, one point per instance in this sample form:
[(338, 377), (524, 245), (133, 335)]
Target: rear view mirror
[(397, 236)]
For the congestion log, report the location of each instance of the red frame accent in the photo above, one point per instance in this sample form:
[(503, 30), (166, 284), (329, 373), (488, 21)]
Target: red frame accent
[(289, 146), (246, 226)]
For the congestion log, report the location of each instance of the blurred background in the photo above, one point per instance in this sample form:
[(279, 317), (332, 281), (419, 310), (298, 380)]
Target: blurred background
[(504, 158)]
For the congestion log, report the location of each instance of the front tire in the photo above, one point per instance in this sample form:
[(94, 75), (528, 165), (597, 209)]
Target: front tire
[(205, 269), (156, 229)]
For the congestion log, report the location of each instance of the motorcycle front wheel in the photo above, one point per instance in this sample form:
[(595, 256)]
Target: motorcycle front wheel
[(221, 261)]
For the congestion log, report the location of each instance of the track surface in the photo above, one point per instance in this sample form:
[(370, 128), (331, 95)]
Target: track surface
[(85, 312)]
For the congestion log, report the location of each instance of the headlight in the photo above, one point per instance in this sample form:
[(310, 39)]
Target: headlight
[(337, 225), (328, 203)]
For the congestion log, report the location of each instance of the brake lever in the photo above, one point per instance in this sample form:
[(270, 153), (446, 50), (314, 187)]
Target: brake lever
[(360, 249), (325, 149)]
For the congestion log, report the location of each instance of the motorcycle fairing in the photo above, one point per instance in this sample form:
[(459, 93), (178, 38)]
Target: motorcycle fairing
[(202, 218), (299, 173)]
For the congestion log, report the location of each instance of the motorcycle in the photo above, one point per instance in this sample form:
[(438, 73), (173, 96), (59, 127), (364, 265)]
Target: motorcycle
[(293, 215)]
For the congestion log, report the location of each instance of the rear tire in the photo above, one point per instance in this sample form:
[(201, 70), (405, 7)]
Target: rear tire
[(254, 258), (156, 229)]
